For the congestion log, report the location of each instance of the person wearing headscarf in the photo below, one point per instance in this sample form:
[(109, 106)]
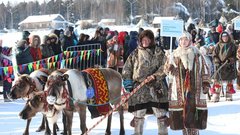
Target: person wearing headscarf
[(189, 81), (146, 62), (224, 58)]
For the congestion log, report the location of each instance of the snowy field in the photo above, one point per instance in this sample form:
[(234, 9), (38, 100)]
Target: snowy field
[(223, 119)]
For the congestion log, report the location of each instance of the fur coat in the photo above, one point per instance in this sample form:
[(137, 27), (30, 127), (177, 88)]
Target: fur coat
[(187, 101), (225, 52), (140, 64)]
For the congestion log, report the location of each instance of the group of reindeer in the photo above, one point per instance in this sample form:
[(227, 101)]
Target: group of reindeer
[(52, 92)]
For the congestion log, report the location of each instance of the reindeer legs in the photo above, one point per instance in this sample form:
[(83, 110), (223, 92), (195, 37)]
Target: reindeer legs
[(26, 132), (42, 126)]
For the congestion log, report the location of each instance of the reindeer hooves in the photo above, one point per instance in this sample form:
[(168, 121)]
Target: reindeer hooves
[(122, 133), (62, 133), (56, 126), (26, 133), (40, 129), (47, 133)]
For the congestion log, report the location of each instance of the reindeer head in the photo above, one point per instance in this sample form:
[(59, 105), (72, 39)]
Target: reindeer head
[(56, 89), (22, 87), (35, 104)]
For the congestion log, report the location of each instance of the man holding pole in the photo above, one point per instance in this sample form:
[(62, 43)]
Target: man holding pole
[(147, 62)]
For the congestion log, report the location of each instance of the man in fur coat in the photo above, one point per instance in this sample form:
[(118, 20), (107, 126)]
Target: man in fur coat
[(189, 81), (147, 62)]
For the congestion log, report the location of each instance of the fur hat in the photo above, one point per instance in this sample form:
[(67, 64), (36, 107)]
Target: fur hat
[(21, 43), (45, 39), (186, 35), (53, 36), (67, 32), (34, 37), (25, 34), (149, 34), (70, 28)]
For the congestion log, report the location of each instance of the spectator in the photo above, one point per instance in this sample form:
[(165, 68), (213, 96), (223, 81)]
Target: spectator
[(115, 54), (67, 40), (72, 35), (23, 56), (6, 78), (214, 34), (25, 36), (56, 47), (224, 56), (133, 42), (81, 38), (35, 47), (46, 49)]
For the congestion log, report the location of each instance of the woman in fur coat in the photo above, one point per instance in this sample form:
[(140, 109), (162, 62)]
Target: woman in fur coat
[(189, 80), (224, 56)]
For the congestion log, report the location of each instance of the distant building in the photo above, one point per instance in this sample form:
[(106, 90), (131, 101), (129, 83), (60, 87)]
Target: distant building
[(85, 24), (52, 21), (107, 22), (157, 21)]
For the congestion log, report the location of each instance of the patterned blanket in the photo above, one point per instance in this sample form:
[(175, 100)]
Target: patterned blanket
[(101, 91)]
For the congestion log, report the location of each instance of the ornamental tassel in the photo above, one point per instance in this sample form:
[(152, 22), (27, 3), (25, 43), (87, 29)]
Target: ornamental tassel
[(45, 102), (187, 81), (45, 106), (67, 104), (65, 95), (186, 94)]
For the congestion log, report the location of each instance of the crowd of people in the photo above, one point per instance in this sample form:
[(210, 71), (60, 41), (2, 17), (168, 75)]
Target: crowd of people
[(175, 92)]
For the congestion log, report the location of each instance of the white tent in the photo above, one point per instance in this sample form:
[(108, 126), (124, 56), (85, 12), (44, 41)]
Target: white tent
[(107, 22), (142, 23), (190, 20), (223, 20)]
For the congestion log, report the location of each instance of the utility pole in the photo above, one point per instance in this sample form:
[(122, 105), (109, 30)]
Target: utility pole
[(131, 6), (68, 11), (10, 11)]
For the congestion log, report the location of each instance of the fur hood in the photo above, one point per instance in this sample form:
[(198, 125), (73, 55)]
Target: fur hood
[(52, 35), (178, 51), (31, 40), (186, 55)]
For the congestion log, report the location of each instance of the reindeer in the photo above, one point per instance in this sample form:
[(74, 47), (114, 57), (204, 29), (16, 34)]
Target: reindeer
[(26, 86), (38, 103), (72, 85)]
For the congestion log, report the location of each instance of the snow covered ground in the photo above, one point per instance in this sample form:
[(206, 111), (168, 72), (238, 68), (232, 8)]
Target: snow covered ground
[(223, 119)]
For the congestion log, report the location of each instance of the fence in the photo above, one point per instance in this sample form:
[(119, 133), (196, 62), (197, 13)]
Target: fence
[(88, 56), (79, 57)]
